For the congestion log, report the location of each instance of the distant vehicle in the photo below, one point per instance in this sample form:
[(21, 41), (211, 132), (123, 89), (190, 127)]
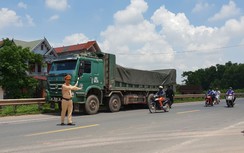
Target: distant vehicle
[(208, 100), (190, 89), (217, 99), (154, 106), (103, 82), (229, 100)]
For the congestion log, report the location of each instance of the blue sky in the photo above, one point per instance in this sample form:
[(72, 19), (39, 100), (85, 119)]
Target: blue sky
[(145, 34)]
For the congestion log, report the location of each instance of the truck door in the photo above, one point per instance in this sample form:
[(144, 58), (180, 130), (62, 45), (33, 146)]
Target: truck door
[(85, 74)]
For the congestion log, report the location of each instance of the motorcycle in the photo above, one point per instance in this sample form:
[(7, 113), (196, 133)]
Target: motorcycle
[(230, 100), (208, 100), (217, 99), (154, 105)]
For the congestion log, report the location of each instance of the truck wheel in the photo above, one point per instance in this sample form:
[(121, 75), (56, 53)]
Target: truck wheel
[(114, 103), (92, 105)]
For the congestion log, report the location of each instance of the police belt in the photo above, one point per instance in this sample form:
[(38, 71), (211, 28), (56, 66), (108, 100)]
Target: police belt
[(66, 98)]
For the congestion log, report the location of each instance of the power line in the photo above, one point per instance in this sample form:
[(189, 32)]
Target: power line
[(182, 52)]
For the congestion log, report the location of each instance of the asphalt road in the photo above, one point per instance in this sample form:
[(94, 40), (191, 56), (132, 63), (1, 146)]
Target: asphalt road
[(187, 128)]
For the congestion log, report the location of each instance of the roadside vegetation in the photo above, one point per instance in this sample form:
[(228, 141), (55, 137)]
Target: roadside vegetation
[(219, 76), (25, 110), (15, 65)]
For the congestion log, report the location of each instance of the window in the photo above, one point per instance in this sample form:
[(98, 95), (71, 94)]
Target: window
[(39, 68), (63, 65), (87, 67)]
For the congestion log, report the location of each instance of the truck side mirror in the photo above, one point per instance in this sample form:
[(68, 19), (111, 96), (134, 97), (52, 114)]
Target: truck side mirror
[(80, 69), (80, 72)]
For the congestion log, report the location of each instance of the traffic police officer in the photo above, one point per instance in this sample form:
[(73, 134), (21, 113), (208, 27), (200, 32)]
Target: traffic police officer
[(67, 103)]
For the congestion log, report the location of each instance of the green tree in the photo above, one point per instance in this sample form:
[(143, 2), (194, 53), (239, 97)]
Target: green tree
[(219, 76), (14, 69)]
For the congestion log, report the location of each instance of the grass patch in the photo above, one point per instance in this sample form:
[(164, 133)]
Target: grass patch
[(183, 100), (19, 110), (25, 110)]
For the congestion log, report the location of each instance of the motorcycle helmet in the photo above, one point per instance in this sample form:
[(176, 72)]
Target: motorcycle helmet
[(160, 87)]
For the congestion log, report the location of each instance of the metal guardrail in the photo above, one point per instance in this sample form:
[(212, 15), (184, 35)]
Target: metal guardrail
[(189, 96), (6, 102), (202, 95), (27, 101)]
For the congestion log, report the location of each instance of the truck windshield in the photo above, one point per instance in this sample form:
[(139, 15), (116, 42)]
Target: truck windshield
[(63, 65)]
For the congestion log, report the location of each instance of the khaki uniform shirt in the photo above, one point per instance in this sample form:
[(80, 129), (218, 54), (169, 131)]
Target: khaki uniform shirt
[(66, 90)]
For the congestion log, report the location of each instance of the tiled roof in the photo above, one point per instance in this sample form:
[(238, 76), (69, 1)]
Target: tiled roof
[(30, 44), (40, 77), (78, 47)]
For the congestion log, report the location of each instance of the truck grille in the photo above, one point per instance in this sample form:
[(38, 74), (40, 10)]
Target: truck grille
[(55, 87)]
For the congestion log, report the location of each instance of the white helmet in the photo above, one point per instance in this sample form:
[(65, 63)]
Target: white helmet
[(160, 87)]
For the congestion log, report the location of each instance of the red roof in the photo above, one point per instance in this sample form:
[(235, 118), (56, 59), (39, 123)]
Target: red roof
[(40, 77), (78, 47)]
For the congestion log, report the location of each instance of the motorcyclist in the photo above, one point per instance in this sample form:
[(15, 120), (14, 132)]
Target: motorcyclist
[(230, 91), (217, 91), (217, 94), (170, 94), (160, 95), (211, 93)]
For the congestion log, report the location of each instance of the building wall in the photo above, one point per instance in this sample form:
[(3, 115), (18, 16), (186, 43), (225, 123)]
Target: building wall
[(41, 49)]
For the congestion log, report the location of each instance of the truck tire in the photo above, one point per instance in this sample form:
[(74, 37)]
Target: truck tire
[(114, 103), (92, 105)]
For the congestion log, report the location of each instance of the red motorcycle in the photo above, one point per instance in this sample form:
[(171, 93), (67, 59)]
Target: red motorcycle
[(208, 100)]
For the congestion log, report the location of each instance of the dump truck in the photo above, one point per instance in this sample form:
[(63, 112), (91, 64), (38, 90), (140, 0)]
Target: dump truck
[(103, 82)]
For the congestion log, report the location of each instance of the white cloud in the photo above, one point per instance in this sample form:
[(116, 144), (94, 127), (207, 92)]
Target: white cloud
[(132, 14), (242, 42), (29, 20), (22, 5), (168, 40), (75, 39), (132, 37), (201, 7), (54, 17), (9, 18), (57, 4), (189, 42), (226, 12)]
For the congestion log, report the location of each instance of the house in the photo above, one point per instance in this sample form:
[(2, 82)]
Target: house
[(42, 47), (90, 46)]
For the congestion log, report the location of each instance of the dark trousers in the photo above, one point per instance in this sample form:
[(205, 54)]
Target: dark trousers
[(171, 100)]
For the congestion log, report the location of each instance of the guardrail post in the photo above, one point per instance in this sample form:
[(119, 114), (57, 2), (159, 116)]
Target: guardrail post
[(15, 108), (40, 106)]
